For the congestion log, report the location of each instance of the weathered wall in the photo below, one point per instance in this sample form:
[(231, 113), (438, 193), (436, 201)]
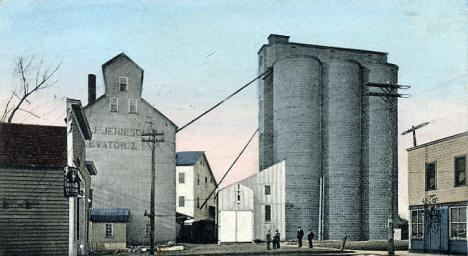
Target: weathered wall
[(443, 153), (273, 176), (186, 190), (99, 240), (124, 162), (203, 189), (43, 227)]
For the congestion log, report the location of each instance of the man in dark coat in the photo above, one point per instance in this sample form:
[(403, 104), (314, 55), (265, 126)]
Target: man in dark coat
[(310, 236), (300, 235), (268, 239), (276, 240)]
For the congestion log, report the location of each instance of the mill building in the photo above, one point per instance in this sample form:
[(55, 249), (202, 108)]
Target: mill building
[(117, 119)]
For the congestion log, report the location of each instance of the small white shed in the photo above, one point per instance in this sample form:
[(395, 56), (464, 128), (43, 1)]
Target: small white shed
[(235, 214)]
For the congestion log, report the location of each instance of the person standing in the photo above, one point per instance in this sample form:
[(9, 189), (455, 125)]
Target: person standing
[(310, 236), (300, 235), (276, 240), (268, 239)]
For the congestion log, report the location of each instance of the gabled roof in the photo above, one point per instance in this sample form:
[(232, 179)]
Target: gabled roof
[(110, 215), (33, 145), (187, 158), (116, 57)]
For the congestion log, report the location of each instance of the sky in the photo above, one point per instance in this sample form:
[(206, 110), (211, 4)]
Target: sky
[(194, 53)]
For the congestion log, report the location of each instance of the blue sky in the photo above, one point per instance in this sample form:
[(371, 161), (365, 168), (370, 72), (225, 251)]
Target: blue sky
[(196, 52)]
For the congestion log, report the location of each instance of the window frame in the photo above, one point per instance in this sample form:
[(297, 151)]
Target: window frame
[(268, 207), (455, 171), (126, 83), (426, 176), (181, 202), (130, 106), (458, 222), (269, 190), (116, 104), (418, 211), (111, 230), (181, 178)]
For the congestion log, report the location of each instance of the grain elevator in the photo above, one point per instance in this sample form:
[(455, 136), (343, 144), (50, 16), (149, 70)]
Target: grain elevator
[(314, 113)]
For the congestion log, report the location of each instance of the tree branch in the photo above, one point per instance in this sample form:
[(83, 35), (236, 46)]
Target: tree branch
[(29, 112)]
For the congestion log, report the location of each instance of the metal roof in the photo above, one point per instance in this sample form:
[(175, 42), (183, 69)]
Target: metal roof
[(110, 215), (188, 157)]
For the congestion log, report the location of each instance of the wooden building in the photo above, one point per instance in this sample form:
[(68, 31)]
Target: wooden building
[(235, 214), (34, 214), (108, 229), (438, 195)]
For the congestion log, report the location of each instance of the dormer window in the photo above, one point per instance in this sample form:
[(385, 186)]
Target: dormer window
[(114, 104), (123, 82)]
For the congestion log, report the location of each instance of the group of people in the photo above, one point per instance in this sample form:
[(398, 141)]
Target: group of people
[(276, 240), (300, 235)]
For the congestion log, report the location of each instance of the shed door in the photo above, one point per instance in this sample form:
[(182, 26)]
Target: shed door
[(244, 226), (227, 226)]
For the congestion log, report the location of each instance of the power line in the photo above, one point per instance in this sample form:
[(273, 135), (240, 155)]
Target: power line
[(229, 169), (225, 99)]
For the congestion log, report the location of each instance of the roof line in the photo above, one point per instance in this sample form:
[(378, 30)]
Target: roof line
[(438, 141)]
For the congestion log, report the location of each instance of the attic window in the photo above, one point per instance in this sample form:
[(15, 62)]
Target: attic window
[(123, 82)]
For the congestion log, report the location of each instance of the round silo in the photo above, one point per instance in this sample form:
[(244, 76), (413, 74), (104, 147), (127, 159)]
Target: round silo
[(296, 126), (343, 146), (380, 128)]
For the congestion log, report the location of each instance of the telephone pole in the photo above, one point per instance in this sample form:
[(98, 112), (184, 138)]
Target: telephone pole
[(388, 94), (151, 137), (413, 130)]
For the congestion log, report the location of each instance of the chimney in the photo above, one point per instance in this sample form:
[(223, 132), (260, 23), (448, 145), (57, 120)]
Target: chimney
[(91, 89), (278, 39)]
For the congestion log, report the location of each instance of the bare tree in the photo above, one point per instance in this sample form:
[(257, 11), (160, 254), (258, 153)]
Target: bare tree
[(32, 78)]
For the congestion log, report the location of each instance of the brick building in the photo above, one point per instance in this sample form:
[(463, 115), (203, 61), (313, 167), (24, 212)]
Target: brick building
[(314, 114), (438, 195), (35, 216), (117, 120)]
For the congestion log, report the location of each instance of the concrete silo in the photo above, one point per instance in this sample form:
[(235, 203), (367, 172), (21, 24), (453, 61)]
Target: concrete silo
[(313, 114), (380, 130), (342, 124), (296, 126)]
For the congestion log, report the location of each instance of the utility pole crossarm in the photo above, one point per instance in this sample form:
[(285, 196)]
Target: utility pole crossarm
[(391, 86), (413, 130)]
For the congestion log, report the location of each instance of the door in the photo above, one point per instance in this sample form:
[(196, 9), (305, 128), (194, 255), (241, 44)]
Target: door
[(435, 229), (235, 226), (244, 226), (227, 226)]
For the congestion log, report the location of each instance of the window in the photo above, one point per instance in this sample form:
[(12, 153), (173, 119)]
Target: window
[(181, 201), (114, 104), (417, 223), (123, 82), (198, 179), (198, 202), (132, 106), (460, 171), (458, 222), (109, 230), (206, 181), (181, 177), (431, 179), (267, 190), (267, 212)]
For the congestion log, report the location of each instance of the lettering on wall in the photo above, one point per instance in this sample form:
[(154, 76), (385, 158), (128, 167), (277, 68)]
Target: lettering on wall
[(113, 142)]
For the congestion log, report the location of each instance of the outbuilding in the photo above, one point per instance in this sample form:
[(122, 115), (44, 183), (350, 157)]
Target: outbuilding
[(235, 214), (109, 228)]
